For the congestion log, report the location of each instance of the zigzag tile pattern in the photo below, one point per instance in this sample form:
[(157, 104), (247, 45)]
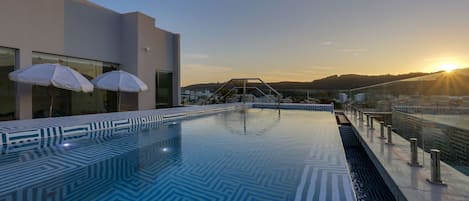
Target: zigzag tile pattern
[(325, 175), (51, 147), (51, 178), (28, 139), (22, 125), (194, 159)]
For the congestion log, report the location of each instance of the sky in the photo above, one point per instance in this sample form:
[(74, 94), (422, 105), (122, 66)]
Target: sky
[(304, 40)]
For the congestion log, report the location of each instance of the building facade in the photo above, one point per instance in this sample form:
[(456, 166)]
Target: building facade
[(92, 40)]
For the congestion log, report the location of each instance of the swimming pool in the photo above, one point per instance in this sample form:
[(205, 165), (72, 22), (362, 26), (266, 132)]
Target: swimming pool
[(254, 154)]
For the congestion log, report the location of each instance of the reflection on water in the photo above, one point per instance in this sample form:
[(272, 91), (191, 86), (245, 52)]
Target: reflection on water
[(251, 123), (236, 155), (85, 167)]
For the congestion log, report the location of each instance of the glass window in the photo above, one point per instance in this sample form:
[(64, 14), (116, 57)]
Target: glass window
[(7, 87), (164, 89), (74, 103), (109, 97)]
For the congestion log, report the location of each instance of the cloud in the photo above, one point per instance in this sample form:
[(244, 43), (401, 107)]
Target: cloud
[(205, 68), (354, 50), (326, 43), (203, 73), (195, 56), (320, 68)]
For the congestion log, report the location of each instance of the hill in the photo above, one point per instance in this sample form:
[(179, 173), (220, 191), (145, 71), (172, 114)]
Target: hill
[(334, 82)]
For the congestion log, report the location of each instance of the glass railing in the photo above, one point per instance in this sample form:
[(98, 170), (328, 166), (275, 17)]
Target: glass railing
[(432, 108)]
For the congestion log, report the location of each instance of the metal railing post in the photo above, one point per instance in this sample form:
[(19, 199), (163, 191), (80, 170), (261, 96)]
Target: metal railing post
[(381, 127), (389, 142), (244, 90), (371, 123), (367, 120), (413, 153), (435, 168)]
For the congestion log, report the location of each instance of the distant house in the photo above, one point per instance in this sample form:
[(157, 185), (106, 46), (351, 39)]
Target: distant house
[(343, 97), (360, 97)]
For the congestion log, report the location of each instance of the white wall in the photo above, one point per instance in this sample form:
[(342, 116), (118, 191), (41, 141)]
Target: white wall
[(156, 52), (31, 26), (78, 28), (92, 32)]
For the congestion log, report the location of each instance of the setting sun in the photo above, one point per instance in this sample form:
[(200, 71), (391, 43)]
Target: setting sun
[(448, 67)]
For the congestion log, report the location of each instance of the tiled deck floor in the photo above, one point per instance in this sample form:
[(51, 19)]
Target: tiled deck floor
[(410, 181)]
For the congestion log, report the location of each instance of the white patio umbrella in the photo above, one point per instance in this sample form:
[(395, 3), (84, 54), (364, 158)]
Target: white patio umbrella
[(52, 75), (119, 81)]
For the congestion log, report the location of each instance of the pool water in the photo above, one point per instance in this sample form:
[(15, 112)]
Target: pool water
[(254, 154), (366, 179)]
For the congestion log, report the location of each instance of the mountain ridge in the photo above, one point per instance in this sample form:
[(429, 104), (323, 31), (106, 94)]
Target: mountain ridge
[(332, 82)]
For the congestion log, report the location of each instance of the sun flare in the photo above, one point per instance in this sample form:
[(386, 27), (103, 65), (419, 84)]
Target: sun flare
[(448, 67)]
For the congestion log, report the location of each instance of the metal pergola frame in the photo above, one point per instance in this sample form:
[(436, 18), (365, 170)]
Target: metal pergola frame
[(244, 87)]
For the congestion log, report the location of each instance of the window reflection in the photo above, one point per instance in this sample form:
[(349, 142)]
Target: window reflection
[(7, 87), (164, 85), (74, 103)]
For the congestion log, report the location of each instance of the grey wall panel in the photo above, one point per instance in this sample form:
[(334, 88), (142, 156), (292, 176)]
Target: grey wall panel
[(92, 32), (32, 25), (156, 53)]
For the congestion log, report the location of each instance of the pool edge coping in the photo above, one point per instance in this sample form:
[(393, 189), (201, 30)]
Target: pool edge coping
[(33, 130)]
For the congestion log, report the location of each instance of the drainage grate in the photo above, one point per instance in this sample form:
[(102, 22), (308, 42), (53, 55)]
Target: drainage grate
[(367, 182)]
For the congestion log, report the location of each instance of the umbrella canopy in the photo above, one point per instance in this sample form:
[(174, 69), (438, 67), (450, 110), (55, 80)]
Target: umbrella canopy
[(52, 75), (120, 81)]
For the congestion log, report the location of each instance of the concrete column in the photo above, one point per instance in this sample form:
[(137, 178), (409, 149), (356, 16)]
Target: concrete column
[(24, 99)]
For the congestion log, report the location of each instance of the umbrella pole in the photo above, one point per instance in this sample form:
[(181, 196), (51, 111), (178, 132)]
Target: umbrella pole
[(118, 101), (51, 94)]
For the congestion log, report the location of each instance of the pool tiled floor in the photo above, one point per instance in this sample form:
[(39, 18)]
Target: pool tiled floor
[(258, 154)]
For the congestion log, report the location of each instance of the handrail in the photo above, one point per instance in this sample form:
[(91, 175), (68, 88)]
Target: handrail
[(244, 87)]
